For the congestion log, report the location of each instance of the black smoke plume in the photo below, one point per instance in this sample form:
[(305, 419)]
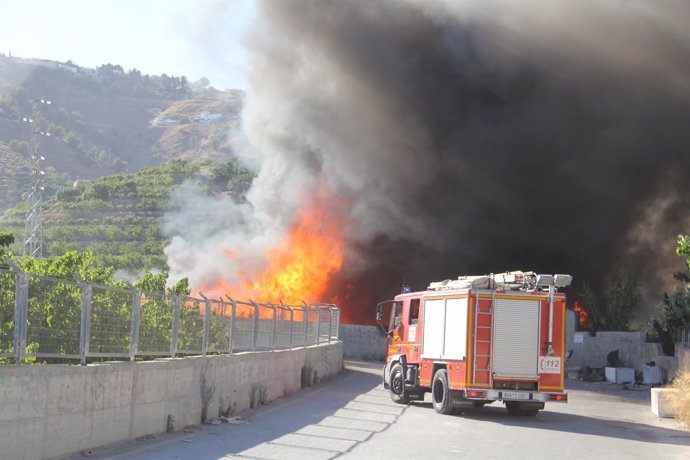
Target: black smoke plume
[(478, 136)]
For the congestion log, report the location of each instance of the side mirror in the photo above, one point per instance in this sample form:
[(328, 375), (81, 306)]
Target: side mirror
[(379, 313)]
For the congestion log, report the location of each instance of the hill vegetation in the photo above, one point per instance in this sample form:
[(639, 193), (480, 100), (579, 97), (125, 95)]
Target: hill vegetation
[(115, 144), (105, 121), (118, 218)]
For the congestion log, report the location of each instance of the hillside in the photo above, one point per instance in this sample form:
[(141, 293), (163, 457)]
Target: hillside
[(119, 218), (104, 121)]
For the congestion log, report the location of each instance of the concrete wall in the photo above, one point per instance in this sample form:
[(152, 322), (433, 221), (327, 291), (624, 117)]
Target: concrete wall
[(633, 351), (362, 343), (683, 358), (50, 411)]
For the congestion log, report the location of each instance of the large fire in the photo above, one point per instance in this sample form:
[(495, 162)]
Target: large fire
[(300, 267)]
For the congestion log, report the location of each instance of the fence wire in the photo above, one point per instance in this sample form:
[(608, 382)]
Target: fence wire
[(53, 318), (111, 324), (56, 319), (220, 327), (155, 324)]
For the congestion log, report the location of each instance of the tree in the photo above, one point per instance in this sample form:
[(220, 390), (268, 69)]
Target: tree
[(21, 147), (683, 248), (201, 84), (157, 310), (615, 310), (673, 314), (6, 240)]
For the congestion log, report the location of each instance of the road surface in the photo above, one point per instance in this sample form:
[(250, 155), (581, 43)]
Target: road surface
[(352, 417)]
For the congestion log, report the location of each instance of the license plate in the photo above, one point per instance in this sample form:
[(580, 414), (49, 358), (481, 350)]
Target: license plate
[(515, 395)]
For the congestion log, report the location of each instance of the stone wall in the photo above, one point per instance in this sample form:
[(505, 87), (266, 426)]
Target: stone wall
[(54, 410)]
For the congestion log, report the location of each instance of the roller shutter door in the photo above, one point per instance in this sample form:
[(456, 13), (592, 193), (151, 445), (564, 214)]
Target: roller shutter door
[(516, 338)]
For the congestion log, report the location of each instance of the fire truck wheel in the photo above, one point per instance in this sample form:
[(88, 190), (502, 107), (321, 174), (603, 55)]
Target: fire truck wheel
[(397, 386), (440, 394)]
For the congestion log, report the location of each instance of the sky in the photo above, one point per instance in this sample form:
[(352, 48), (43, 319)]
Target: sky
[(192, 38)]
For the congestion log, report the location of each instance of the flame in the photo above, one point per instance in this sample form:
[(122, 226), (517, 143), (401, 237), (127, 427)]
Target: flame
[(301, 266), (583, 316)]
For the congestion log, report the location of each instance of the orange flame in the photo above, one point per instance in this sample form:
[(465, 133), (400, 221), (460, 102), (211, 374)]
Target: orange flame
[(301, 266), (583, 316)]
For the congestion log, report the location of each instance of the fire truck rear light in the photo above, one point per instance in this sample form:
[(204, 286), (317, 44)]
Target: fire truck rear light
[(559, 397), (476, 394)]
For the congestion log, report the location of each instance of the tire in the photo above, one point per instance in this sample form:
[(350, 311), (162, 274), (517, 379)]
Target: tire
[(396, 387), (530, 412), (440, 394)]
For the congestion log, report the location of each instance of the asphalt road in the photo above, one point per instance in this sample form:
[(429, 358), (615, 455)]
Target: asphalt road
[(352, 417)]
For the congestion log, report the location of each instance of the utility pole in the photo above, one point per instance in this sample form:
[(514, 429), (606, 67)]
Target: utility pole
[(33, 224)]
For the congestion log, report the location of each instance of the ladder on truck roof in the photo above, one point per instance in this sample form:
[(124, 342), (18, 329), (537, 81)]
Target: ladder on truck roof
[(482, 349)]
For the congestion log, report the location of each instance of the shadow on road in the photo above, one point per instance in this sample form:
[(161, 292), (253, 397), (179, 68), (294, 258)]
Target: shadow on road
[(321, 422), (579, 424)]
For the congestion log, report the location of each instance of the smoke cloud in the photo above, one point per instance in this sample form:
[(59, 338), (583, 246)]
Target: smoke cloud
[(469, 137)]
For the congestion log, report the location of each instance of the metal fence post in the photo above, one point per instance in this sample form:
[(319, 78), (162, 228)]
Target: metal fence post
[(207, 323), (318, 324), (337, 324), (292, 325), (273, 332), (233, 316), (175, 326), (21, 308), (330, 323), (305, 318), (134, 329), (85, 329), (255, 325)]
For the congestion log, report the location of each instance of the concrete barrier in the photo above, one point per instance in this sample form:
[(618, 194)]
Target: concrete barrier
[(661, 399), (54, 410)]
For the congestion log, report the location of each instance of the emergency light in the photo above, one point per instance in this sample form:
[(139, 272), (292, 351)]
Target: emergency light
[(545, 280), (558, 281), (562, 280)]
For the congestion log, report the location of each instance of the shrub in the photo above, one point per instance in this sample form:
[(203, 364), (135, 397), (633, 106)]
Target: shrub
[(680, 400)]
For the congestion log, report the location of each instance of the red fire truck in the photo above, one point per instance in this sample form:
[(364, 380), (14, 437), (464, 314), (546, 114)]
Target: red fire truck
[(477, 340)]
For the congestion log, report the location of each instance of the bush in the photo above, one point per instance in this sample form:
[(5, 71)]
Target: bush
[(680, 400), (614, 310), (673, 314)]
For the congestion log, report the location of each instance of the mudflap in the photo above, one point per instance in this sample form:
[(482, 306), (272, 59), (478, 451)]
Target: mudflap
[(386, 376), (458, 401), (414, 393)]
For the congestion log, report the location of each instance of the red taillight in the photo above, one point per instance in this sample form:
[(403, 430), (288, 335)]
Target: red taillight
[(563, 397), (476, 393)]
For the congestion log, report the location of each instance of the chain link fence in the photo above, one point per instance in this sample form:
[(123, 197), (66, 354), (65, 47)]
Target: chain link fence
[(55, 319)]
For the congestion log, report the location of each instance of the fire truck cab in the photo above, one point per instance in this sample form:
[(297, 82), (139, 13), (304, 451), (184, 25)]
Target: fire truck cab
[(477, 340)]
